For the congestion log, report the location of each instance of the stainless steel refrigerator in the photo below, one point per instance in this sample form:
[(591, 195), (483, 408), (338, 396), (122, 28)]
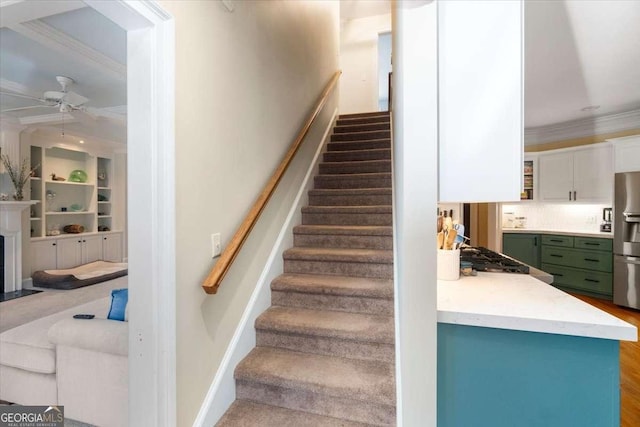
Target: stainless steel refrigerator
[(626, 240)]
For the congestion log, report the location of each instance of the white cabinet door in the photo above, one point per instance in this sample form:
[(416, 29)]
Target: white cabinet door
[(69, 252), (112, 247), (556, 177), (627, 153), (91, 249), (480, 53), (593, 175), (43, 255)]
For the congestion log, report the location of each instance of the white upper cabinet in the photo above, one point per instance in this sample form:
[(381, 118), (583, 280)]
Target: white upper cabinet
[(556, 177), (626, 153), (583, 175), (480, 107)]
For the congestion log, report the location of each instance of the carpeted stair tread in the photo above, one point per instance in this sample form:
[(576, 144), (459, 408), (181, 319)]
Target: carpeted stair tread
[(334, 285), (361, 136), (369, 144), (361, 127), (368, 210), (358, 166), (369, 114), (363, 380), (339, 255), (350, 191), (362, 120), (356, 155), (331, 324), (350, 230), (356, 180), (244, 413)]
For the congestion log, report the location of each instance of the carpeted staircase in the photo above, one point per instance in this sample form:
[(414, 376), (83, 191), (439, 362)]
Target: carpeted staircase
[(325, 348)]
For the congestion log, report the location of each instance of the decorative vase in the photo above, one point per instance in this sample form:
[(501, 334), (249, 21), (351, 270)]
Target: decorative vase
[(19, 195)]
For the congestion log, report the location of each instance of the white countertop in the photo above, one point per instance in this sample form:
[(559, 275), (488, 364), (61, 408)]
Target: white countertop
[(521, 302), (559, 232)]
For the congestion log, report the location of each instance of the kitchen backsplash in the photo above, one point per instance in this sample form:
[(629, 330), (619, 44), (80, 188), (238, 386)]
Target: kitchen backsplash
[(560, 217)]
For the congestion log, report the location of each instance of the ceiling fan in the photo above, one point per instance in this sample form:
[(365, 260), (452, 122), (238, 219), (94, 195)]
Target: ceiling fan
[(65, 101)]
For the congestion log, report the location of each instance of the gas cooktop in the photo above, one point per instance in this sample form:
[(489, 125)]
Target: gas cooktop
[(483, 259)]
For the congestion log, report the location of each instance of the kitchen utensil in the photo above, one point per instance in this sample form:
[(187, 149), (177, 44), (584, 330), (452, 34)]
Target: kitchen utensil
[(448, 223), (440, 223), (440, 240), (459, 234), (451, 237)]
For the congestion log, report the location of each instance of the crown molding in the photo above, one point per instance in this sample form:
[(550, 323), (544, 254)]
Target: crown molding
[(48, 118), (52, 38), (584, 127)]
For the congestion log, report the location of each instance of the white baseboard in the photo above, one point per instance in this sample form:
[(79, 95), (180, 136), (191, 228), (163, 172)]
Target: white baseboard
[(221, 393)]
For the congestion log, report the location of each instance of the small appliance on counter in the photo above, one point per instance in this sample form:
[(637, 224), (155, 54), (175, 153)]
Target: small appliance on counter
[(607, 215)]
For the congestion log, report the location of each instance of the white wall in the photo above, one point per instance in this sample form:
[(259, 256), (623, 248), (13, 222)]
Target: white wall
[(245, 81), (359, 62), (560, 217)]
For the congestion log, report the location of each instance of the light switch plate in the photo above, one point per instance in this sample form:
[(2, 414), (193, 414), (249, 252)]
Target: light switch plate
[(215, 245)]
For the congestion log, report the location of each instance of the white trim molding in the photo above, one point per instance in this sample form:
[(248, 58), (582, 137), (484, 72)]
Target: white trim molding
[(583, 127), (151, 188)]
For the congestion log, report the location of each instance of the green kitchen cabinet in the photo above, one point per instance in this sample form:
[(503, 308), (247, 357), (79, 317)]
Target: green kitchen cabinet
[(579, 264), (523, 247)]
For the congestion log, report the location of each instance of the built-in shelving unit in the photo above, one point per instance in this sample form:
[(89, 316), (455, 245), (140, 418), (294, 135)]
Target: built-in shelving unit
[(61, 202), (527, 192)]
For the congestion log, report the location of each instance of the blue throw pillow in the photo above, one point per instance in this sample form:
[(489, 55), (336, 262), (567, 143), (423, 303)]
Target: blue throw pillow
[(119, 299)]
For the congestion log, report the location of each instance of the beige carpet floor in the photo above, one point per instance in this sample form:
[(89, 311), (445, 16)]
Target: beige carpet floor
[(19, 311)]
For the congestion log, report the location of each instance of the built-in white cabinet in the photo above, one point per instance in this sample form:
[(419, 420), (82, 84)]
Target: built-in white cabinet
[(626, 153), (480, 101), (583, 175), (72, 252), (43, 255), (112, 247), (68, 251)]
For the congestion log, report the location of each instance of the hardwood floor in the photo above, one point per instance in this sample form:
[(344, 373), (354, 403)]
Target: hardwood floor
[(629, 362)]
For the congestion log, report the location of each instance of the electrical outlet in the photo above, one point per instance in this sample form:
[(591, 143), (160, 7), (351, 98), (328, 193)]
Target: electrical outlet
[(215, 245)]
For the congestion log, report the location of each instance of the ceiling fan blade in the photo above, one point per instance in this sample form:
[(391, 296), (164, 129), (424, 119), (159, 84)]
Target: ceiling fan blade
[(27, 108), (18, 95), (74, 99)]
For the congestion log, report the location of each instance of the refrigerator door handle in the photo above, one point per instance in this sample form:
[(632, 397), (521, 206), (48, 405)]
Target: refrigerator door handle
[(631, 216)]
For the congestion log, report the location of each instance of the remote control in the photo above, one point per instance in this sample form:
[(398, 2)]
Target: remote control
[(84, 316)]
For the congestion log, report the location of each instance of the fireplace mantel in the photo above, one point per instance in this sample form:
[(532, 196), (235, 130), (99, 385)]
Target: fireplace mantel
[(11, 229)]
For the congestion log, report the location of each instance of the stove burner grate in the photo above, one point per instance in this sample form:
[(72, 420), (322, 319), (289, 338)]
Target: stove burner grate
[(483, 259)]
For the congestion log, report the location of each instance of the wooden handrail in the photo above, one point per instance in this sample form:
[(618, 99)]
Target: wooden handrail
[(220, 269)]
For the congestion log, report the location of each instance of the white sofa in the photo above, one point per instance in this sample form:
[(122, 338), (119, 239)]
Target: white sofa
[(59, 360)]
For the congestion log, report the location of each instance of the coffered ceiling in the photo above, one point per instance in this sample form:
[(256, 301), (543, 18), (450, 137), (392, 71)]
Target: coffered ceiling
[(40, 40)]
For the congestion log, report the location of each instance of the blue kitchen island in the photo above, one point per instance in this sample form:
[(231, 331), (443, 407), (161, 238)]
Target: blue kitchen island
[(514, 351)]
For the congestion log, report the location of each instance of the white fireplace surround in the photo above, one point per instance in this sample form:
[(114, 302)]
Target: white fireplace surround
[(11, 229)]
